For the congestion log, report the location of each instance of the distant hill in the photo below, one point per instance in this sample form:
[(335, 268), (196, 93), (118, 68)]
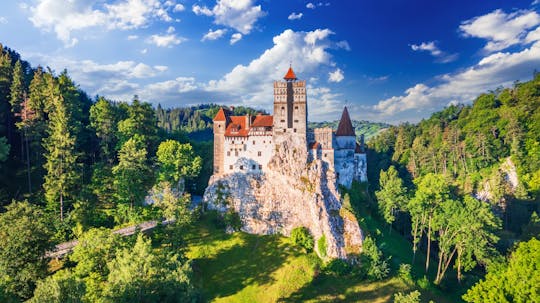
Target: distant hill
[(367, 128), (196, 121)]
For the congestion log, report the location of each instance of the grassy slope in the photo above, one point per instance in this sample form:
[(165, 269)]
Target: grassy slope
[(248, 268)]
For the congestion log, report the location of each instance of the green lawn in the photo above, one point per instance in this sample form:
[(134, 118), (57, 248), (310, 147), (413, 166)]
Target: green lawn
[(240, 267)]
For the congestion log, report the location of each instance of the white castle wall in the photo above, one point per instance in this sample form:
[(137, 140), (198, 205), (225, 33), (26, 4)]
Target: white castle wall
[(247, 154)]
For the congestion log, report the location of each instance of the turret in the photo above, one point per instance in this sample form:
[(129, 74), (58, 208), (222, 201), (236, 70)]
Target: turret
[(220, 125), (290, 105)]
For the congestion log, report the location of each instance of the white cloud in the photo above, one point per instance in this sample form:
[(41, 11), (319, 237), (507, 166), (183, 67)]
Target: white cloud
[(533, 35), (500, 29), (499, 69), (144, 51), (161, 68), (132, 37), (295, 16), (336, 76), (535, 2), (310, 5), (166, 40), (214, 35), (201, 10), (235, 38), (343, 44), (433, 49), (178, 85), (3, 20), (65, 17), (179, 8), (238, 14)]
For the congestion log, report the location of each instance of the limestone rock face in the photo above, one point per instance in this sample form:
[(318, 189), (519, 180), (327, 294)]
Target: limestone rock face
[(289, 194)]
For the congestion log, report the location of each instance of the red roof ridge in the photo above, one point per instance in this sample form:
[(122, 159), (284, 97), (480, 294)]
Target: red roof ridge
[(220, 116), (345, 127), (290, 74)]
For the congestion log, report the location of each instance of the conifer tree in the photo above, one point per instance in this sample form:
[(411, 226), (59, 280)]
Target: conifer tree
[(103, 120), (61, 160), (392, 196)]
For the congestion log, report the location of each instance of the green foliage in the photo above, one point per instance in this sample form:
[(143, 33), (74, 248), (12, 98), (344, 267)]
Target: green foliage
[(516, 281), (62, 287), (302, 237), (141, 121), (372, 261), (177, 161), (140, 274), (532, 229), (404, 272), (338, 267), (4, 149), (24, 234), (132, 174), (104, 120), (321, 246), (232, 220), (392, 195), (412, 297), (173, 204), (362, 128)]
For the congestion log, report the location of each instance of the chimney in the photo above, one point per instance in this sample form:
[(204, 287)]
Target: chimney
[(248, 121)]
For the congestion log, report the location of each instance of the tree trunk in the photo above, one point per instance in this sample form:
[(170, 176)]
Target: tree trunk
[(428, 244), (437, 279)]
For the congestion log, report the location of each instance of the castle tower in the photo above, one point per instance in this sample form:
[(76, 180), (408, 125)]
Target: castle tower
[(220, 124), (290, 105)]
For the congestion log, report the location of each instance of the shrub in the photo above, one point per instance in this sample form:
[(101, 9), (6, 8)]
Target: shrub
[(321, 246), (372, 262), (338, 267), (300, 236), (423, 283), (412, 297), (232, 220), (404, 272)]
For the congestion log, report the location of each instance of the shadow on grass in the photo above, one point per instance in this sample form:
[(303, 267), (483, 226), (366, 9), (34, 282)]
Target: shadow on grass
[(227, 263)]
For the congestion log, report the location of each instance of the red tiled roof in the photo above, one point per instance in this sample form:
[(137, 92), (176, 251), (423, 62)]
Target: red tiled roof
[(345, 127), (290, 75), (237, 127), (220, 116), (263, 121)]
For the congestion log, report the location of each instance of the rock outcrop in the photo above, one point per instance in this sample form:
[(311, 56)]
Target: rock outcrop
[(291, 193)]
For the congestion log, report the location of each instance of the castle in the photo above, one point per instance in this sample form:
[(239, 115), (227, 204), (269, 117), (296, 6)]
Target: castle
[(245, 144)]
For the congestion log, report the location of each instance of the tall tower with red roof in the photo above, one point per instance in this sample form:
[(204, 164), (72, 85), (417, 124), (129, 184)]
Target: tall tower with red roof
[(290, 106)]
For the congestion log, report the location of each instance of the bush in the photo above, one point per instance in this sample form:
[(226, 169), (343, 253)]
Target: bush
[(404, 272), (372, 262), (232, 220), (321, 246), (412, 297), (300, 236), (423, 283), (338, 267)]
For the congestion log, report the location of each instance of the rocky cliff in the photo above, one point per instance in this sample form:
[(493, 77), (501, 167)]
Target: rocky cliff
[(289, 194)]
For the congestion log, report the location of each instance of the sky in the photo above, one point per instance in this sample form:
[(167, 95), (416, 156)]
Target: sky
[(386, 60)]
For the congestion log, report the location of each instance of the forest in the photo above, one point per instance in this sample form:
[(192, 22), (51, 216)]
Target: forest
[(451, 209)]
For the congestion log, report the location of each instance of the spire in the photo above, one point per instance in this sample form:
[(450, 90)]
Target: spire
[(290, 75), (220, 116), (345, 127)]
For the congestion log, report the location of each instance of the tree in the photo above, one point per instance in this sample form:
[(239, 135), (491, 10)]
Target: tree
[(172, 203), (140, 274), (177, 161), (24, 234), (132, 174), (392, 195), (17, 89), (4, 149), (412, 297), (432, 191), (515, 281), (61, 165), (141, 121), (62, 287), (302, 237), (103, 119)]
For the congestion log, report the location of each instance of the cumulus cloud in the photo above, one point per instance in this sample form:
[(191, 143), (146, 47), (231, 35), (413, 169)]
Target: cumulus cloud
[(235, 38), (295, 16), (132, 37), (3, 20), (498, 69), (500, 29), (65, 17), (166, 40), (433, 49), (336, 76), (310, 5), (214, 35), (239, 15), (343, 44), (178, 8)]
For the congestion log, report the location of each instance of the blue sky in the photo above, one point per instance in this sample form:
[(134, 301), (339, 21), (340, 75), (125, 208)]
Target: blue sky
[(388, 61)]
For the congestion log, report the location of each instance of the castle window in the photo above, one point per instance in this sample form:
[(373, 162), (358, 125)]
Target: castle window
[(260, 166), (282, 121), (294, 130), (295, 121), (253, 142), (325, 155), (253, 166), (233, 142), (230, 167), (219, 125), (241, 167), (296, 107), (259, 154)]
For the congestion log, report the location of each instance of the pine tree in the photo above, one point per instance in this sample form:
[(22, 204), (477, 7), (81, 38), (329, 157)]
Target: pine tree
[(103, 120), (61, 160)]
